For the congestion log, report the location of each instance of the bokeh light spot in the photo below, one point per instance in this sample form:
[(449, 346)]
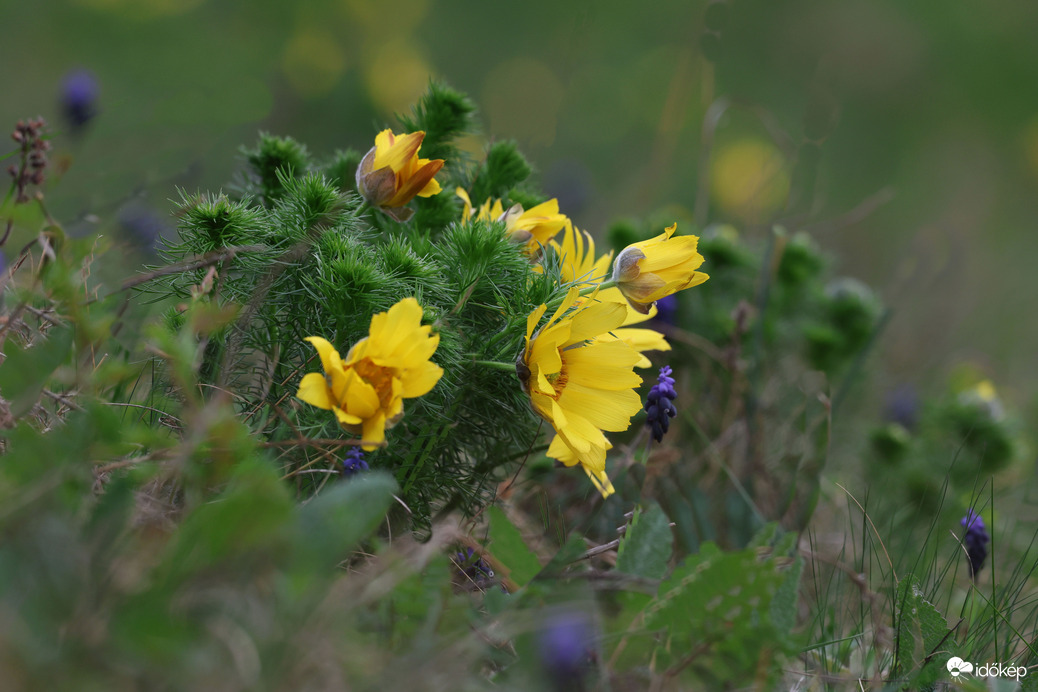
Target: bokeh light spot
[(397, 75), (1031, 145), (522, 99), (749, 179), (406, 15), (313, 62)]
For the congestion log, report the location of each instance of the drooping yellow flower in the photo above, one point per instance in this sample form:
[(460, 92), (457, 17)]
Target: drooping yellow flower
[(534, 228), (366, 389), (390, 175), (580, 382), (647, 271)]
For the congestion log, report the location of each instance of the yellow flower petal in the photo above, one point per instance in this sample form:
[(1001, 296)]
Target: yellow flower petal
[(313, 389), (607, 364), (466, 212), (603, 409), (582, 379), (595, 319), (396, 151), (420, 381), (346, 419), (374, 433), (360, 398), (642, 340), (600, 481)]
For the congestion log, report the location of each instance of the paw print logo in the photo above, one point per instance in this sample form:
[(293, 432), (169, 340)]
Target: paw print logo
[(956, 666)]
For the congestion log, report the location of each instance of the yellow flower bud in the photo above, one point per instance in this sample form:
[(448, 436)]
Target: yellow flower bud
[(647, 271), (390, 175)]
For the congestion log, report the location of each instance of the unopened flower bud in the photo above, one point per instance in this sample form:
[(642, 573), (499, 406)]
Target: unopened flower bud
[(390, 175), (647, 271)]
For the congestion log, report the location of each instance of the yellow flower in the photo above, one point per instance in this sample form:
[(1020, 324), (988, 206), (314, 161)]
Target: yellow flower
[(367, 389), (647, 271), (578, 265), (534, 228), (580, 382), (391, 174)]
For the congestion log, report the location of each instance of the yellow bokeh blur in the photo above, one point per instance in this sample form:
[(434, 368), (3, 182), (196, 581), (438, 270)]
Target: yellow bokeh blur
[(385, 19), (522, 98), (313, 61), (1030, 140), (749, 179), (143, 9), (396, 74)]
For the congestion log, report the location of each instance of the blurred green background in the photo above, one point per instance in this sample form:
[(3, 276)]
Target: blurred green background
[(903, 135)]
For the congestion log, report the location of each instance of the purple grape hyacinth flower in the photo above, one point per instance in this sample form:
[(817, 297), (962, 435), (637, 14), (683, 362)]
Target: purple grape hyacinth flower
[(79, 98), (976, 541), (660, 404), (354, 462), (565, 647), (474, 567)]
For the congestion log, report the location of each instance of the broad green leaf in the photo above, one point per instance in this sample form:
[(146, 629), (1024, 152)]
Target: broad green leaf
[(920, 628), (727, 602), (508, 549), (252, 516), (337, 520), (784, 604), (646, 546)]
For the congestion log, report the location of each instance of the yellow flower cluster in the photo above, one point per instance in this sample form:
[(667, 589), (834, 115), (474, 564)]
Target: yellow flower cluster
[(578, 368), (533, 228)]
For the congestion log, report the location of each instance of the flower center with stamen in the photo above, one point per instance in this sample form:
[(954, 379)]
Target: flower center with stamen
[(559, 379), (379, 377)]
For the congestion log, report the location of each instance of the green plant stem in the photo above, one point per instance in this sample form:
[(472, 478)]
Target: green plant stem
[(495, 364)]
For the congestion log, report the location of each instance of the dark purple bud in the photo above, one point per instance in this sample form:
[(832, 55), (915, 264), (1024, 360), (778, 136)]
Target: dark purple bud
[(354, 462), (79, 98), (976, 541), (565, 646), (659, 405)]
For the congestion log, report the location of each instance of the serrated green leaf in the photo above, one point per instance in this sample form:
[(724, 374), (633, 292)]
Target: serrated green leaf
[(647, 545), (727, 601), (764, 536), (508, 548), (784, 604), (920, 627)]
